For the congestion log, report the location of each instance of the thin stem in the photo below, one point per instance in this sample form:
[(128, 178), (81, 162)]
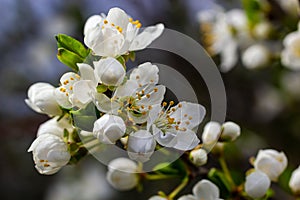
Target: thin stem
[(158, 176), (226, 170), (91, 144), (184, 182)]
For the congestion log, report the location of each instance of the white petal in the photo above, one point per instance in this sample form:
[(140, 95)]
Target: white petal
[(189, 114), (87, 72), (153, 115), (146, 73), (141, 145), (186, 140), (165, 139), (128, 89), (83, 91), (229, 56), (91, 23), (62, 99), (257, 184), (155, 97), (109, 71), (145, 38), (206, 190), (104, 104), (188, 197), (118, 17), (211, 133)]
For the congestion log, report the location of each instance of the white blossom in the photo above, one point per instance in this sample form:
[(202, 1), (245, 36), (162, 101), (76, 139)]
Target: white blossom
[(136, 96), (262, 30), (204, 189), (77, 90), (109, 128), (256, 56), (55, 127), (211, 133), (231, 32), (257, 183), (175, 126), (109, 71), (198, 157), (122, 174), (230, 131), (290, 56), (117, 33), (271, 162), (50, 153), (294, 182), (42, 100), (141, 145)]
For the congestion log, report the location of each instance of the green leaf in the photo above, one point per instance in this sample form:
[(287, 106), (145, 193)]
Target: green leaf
[(71, 44), (122, 60), (69, 58), (101, 88), (165, 168), (75, 136), (252, 10)]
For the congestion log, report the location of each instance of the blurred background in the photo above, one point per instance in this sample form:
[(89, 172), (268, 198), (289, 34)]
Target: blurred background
[(269, 116)]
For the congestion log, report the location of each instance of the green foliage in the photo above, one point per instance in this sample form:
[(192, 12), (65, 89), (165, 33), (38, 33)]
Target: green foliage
[(71, 44), (69, 58), (70, 51), (252, 10)]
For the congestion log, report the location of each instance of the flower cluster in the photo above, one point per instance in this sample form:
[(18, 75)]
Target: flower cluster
[(101, 104), (128, 106), (254, 32)]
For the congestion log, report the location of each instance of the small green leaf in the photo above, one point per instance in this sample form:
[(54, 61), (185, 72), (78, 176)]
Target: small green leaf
[(66, 134), (252, 10), (132, 55), (165, 168), (101, 88), (69, 58), (71, 44), (75, 136), (73, 147)]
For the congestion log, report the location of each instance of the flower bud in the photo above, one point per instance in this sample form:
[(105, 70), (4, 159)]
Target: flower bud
[(257, 184), (55, 127), (198, 157), (41, 99), (109, 128), (141, 145), (230, 131), (50, 153), (262, 30), (256, 56), (295, 181), (211, 133), (109, 71), (122, 174), (271, 162)]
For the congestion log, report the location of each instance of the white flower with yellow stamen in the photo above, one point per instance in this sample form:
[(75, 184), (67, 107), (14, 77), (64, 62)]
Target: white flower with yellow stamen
[(175, 126), (77, 90), (50, 153), (135, 97), (117, 34)]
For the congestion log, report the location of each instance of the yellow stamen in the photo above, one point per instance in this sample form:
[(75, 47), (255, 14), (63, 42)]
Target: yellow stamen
[(139, 25), (171, 103), (105, 21), (148, 95)]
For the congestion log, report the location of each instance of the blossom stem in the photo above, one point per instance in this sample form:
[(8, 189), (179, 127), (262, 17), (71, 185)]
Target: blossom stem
[(153, 177), (184, 182), (226, 170), (91, 144)]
